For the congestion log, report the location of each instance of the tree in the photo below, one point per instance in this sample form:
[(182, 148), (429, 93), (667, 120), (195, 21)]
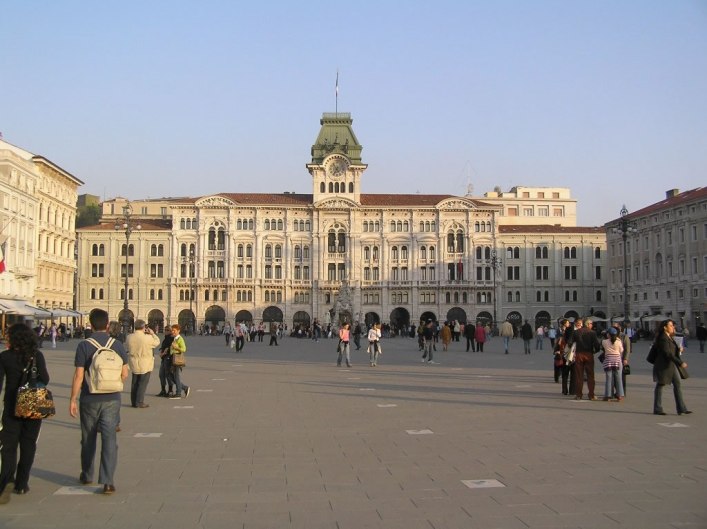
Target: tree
[(88, 215)]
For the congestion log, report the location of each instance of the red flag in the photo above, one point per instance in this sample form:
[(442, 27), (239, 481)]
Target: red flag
[(2, 258), (460, 269)]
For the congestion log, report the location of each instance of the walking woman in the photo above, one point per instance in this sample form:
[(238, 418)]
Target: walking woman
[(344, 334), (14, 372), (374, 336), (178, 347), (664, 369)]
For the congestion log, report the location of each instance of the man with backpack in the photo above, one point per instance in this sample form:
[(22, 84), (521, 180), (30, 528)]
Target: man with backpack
[(101, 368)]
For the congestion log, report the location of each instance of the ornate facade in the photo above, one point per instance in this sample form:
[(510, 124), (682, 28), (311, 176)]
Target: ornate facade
[(284, 257), (37, 216), (666, 261)]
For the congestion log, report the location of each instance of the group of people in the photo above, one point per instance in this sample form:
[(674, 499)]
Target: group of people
[(343, 348), (578, 342), (99, 411)]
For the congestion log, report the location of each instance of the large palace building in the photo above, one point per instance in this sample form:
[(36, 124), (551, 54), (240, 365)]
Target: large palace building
[(285, 257)]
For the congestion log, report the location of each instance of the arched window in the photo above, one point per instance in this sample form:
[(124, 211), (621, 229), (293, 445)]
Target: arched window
[(278, 251), (322, 187), (239, 250), (447, 297), (423, 252), (153, 250), (212, 239), (249, 250), (268, 251), (392, 225), (394, 252), (267, 224), (94, 250), (597, 253), (160, 250), (279, 224), (239, 224), (399, 226), (432, 253), (510, 297), (221, 239), (477, 227), (182, 224), (404, 252), (538, 252), (573, 253), (422, 226), (375, 253), (351, 187), (331, 187), (460, 241)]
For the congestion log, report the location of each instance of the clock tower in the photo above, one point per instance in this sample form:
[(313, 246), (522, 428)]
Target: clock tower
[(336, 166)]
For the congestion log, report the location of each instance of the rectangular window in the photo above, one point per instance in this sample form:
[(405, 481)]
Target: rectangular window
[(597, 272), (512, 212), (557, 212)]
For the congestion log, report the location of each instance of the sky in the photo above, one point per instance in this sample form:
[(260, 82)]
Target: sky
[(147, 99)]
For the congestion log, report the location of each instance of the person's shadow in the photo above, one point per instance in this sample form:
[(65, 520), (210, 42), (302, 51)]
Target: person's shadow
[(55, 477)]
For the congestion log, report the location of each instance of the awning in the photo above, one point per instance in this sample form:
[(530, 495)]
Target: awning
[(63, 313), (596, 318), (654, 317), (22, 308)]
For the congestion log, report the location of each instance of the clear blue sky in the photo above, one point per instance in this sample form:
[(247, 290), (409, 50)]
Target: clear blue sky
[(169, 98)]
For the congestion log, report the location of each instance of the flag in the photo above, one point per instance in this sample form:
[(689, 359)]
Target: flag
[(2, 258), (460, 269)]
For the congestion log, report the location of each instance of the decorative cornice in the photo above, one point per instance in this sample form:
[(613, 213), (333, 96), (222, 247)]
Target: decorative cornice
[(214, 202)]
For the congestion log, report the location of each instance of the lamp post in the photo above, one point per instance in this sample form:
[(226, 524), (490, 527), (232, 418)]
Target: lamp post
[(127, 225), (495, 263), (192, 279), (625, 228)]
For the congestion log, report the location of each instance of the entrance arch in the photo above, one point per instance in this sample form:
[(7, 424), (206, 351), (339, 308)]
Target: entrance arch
[(516, 319), (301, 318), (428, 316), (456, 313), (273, 313), (484, 317), (244, 315), (155, 319), (571, 315), (400, 319), (371, 318), (542, 318), (215, 317), (187, 321)]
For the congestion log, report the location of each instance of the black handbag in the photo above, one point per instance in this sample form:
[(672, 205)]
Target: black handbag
[(683, 372), (627, 369), (34, 400)]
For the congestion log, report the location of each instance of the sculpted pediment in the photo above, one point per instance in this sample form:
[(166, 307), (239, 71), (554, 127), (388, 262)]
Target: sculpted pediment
[(456, 203), (214, 202), (336, 203)]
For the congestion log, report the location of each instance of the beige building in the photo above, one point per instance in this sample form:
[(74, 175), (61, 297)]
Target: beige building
[(285, 257), (665, 264), (37, 215)]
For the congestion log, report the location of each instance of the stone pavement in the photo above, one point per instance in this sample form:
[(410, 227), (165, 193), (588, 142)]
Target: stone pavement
[(279, 437)]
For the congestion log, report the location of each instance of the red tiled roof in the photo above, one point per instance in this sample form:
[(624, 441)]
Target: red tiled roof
[(145, 225), (548, 228), (268, 199), (693, 195)]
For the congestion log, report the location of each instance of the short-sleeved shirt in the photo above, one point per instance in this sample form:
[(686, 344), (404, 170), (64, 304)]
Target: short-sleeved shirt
[(84, 355)]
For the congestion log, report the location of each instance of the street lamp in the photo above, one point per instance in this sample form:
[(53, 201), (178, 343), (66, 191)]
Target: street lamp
[(127, 224), (495, 263), (191, 260), (625, 228)]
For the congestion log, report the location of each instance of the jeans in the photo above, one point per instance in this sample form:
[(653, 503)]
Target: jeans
[(428, 350), (470, 343), (178, 384), (677, 392), (506, 343), (344, 350), (539, 343), (374, 352), (166, 373), (357, 341), (99, 417), (526, 345), (702, 346), (613, 381), (138, 388)]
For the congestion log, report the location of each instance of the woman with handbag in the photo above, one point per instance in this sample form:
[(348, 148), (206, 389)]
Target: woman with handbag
[(665, 368), (15, 366), (176, 351), (613, 364)]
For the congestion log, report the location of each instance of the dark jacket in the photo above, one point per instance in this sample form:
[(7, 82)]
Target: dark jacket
[(667, 357), (526, 332), (12, 376), (586, 339)]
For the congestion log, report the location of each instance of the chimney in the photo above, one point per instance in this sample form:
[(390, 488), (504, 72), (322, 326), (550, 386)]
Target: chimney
[(671, 193)]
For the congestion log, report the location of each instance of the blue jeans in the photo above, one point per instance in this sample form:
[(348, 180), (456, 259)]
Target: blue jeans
[(613, 380), (99, 417), (343, 351), (506, 343), (178, 384)]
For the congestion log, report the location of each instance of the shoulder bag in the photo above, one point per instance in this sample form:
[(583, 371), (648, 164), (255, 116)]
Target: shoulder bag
[(34, 400)]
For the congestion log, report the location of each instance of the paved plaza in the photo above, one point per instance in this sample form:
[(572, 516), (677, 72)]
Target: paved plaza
[(279, 437)]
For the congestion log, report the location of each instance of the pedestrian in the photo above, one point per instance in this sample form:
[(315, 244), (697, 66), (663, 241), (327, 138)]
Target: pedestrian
[(480, 337), (374, 350), (53, 332), (165, 374), (446, 336), (343, 348), (428, 332), (506, 334), (539, 338), (701, 335), (178, 347), (141, 359), (357, 335), (667, 358), (526, 333), (15, 364), (469, 331), (273, 333), (612, 364), (99, 412), (586, 344)]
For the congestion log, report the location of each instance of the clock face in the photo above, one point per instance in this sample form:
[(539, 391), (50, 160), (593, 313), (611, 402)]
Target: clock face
[(337, 168)]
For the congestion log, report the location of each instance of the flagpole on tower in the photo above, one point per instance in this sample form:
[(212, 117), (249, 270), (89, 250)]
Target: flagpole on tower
[(336, 108)]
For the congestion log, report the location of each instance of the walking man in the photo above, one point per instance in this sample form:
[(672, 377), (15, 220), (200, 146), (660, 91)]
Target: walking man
[(140, 346), (99, 412), (526, 332), (506, 334)]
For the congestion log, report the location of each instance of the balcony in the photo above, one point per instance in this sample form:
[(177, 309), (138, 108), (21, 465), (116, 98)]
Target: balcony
[(216, 253)]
